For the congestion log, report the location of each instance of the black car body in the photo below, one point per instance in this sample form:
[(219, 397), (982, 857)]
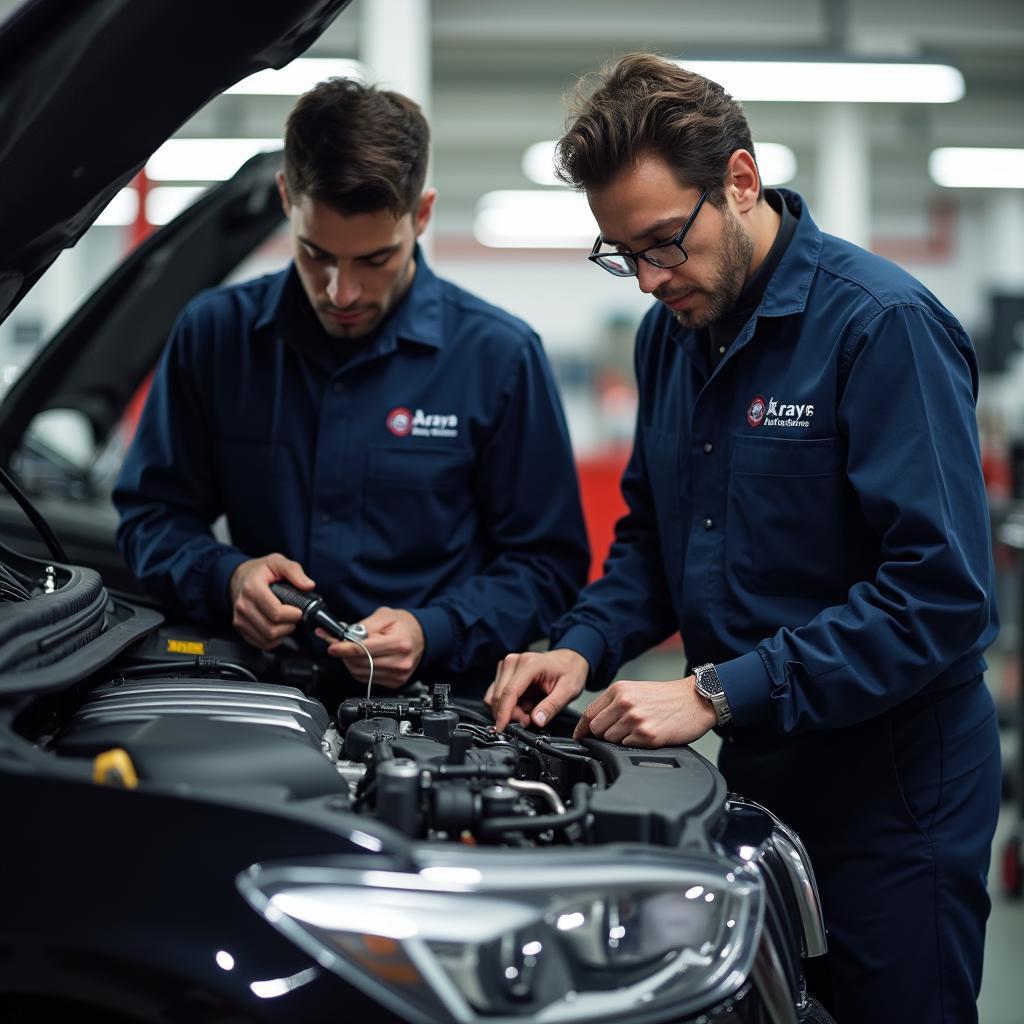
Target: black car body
[(200, 832)]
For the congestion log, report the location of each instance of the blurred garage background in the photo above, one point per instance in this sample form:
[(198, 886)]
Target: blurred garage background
[(923, 163)]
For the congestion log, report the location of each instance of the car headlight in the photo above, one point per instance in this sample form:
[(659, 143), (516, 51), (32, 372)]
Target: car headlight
[(493, 934)]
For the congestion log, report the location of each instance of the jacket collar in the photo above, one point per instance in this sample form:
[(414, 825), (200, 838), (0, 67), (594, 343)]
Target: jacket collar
[(790, 285), (784, 295)]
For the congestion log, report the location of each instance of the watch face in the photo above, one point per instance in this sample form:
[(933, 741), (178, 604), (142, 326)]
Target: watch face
[(708, 683)]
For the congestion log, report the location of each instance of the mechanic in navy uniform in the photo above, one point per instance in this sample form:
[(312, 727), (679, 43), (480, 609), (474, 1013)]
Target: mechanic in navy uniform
[(806, 504), (361, 423)]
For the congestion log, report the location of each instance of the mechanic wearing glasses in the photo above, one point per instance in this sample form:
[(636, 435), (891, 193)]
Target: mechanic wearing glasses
[(806, 505), (361, 423)]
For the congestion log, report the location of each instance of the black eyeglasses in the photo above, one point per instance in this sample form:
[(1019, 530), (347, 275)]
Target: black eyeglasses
[(664, 255)]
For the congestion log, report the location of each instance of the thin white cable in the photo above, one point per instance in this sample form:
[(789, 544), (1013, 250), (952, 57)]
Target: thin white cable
[(369, 658)]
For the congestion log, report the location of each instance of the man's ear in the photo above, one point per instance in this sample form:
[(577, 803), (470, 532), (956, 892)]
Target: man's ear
[(424, 210), (282, 191), (742, 181)]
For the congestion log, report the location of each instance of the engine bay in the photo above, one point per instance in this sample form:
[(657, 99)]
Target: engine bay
[(426, 765)]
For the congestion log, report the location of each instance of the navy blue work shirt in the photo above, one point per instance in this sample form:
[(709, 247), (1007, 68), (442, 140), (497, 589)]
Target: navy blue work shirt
[(810, 513), (431, 470)]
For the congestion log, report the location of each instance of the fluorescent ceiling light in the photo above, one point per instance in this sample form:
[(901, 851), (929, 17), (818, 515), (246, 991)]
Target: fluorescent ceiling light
[(204, 159), (163, 204), (776, 162), (539, 163), (297, 77), (833, 81), (120, 211), (534, 219), (959, 167)]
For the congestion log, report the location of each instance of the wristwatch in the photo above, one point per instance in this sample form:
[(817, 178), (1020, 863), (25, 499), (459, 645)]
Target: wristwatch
[(709, 686)]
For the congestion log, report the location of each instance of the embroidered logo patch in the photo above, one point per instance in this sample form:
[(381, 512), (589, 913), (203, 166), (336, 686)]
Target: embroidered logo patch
[(399, 422), (776, 413), (402, 422), (756, 411)]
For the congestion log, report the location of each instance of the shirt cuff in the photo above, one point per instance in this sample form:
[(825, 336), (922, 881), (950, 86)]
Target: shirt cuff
[(747, 687), (439, 635), (218, 583), (587, 642)]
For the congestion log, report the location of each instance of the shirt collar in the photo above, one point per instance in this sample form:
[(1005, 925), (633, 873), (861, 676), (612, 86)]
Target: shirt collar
[(418, 318), (272, 298), (787, 291)]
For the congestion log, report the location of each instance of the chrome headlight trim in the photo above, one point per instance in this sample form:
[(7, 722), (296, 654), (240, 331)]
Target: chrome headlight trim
[(801, 876), (800, 871), (475, 937)]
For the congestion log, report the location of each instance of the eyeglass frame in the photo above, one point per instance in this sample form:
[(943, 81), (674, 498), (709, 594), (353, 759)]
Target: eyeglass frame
[(635, 257)]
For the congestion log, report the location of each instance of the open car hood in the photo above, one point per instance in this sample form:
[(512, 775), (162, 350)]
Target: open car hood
[(125, 321), (90, 88)]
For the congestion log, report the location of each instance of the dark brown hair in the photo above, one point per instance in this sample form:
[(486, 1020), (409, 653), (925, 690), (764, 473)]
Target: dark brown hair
[(356, 148), (643, 103)]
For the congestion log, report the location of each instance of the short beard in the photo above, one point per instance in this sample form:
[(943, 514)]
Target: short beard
[(735, 253)]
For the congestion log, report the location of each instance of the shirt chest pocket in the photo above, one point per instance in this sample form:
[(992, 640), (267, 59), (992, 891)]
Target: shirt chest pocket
[(786, 522), (418, 507), (426, 468)]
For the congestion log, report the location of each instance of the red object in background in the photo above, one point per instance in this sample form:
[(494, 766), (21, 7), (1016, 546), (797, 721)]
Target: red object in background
[(130, 417), (603, 505), (140, 229), (996, 469)]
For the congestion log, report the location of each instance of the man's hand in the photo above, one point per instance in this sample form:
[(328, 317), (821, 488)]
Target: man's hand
[(256, 613), (395, 642), (535, 686), (648, 714)]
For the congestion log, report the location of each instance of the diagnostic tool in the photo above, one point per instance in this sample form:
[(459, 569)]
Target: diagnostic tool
[(314, 612)]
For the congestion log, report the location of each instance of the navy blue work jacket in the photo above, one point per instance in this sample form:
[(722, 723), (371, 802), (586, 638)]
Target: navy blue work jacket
[(432, 471), (811, 514)]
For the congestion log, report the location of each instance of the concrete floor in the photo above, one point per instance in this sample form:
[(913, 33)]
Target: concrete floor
[(1002, 990)]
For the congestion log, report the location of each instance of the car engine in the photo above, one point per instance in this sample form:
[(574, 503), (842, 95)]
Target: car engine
[(426, 765)]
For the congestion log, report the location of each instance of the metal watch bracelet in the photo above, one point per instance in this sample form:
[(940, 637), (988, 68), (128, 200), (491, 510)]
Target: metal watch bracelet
[(708, 685)]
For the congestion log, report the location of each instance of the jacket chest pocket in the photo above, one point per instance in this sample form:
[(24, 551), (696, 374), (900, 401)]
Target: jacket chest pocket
[(418, 506), (786, 516)]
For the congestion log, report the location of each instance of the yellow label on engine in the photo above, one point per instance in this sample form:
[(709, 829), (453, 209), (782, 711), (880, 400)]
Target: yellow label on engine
[(185, 647)]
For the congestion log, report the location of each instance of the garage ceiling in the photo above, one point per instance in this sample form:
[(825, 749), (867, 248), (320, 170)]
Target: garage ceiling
[(500, 72)]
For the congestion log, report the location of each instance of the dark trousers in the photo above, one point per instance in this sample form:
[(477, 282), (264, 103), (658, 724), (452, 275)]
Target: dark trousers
[(898, 815)]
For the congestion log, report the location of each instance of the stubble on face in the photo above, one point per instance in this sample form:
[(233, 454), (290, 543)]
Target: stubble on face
[(734, 256), (362, 318)]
